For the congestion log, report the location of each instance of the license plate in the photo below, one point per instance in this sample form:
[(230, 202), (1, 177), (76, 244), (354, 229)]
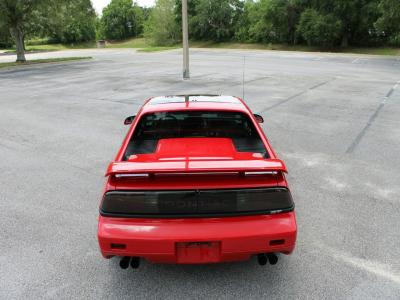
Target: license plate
[(198, 252)]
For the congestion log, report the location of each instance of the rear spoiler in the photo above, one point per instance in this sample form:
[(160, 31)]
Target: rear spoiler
[(196, 166)]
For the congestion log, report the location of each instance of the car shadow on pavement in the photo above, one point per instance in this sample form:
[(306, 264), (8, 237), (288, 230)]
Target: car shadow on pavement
[(238, 280)]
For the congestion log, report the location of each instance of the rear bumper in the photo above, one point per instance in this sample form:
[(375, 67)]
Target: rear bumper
[(197, 240)]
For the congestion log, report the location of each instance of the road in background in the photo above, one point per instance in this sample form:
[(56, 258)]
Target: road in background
[(334, 119)]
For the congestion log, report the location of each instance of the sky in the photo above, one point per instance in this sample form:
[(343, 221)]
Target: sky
[(100, 4)]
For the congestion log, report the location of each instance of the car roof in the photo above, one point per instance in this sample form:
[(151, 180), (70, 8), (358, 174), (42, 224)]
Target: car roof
[(194, 102)]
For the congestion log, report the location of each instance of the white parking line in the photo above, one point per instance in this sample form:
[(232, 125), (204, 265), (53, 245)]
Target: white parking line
[(374, 267), (371, 266)]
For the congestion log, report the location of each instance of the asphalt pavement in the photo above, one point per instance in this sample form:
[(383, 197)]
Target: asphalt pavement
[(333, 118)]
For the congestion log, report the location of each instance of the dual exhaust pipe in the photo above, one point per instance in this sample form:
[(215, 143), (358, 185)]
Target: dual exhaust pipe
[(134, 262), (127, 260), (263, 258)]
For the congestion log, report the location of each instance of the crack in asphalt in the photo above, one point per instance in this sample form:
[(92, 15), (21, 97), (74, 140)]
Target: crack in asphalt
[(296, 95), (257, 79), (27, 146), (371, 120)]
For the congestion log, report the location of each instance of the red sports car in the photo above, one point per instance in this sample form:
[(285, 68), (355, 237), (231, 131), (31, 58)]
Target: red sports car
[(196, 182)]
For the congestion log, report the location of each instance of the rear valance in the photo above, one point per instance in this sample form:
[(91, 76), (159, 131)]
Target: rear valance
[(196, 166)]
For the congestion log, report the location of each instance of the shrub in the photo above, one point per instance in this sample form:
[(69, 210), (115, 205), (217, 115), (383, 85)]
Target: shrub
[(319, 30)]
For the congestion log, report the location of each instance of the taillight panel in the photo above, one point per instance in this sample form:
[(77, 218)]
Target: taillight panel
[(194, 203)]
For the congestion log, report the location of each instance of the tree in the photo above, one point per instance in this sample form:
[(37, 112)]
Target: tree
[(215, 20), (260, 25), (5, 38), (389, 21), (318, 29), (284, 17), (17, 15), (357, 17), (244, 23), (349, 14), (161, 27), (74, 22), (212, 20), (365, 33), (146, 13), (273, 20), (122, 19)]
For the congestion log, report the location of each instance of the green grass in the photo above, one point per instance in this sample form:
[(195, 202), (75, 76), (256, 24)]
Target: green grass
[(132, 43), (374, 51), (41, 61), (54, 47), (142, 45), (157, 48), (139, 43), (258, 46), (38, 41)]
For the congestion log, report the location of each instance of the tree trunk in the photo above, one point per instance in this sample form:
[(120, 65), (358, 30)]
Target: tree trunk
[(345, 40), (18, 36)]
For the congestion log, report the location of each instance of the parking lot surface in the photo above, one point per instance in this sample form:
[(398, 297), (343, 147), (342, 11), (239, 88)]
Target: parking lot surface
[(333, 118)]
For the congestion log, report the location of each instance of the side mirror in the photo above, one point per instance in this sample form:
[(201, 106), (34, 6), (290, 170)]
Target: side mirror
[(259, 119), (129, 120)]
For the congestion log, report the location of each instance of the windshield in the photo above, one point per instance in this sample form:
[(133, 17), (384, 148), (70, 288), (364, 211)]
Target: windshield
[(184, 124)]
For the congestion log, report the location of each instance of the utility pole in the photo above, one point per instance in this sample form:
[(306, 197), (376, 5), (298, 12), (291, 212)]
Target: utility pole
[(185, 38)]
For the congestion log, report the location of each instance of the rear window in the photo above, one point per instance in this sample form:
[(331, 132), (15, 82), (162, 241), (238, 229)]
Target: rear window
[(184, 124)]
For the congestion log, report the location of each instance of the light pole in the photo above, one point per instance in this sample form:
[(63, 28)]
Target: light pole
[(185, 38)]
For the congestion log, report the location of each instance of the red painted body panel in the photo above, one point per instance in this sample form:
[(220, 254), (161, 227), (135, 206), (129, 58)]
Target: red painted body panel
[(189, 165), (196, 163), (195, 155), (196, 148), (157, 240)]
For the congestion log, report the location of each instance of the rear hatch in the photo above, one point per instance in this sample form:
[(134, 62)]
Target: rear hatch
[(196, 177)]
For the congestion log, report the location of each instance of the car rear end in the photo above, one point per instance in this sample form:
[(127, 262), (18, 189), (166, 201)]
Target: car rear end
[(202, 217), (194, 199)]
